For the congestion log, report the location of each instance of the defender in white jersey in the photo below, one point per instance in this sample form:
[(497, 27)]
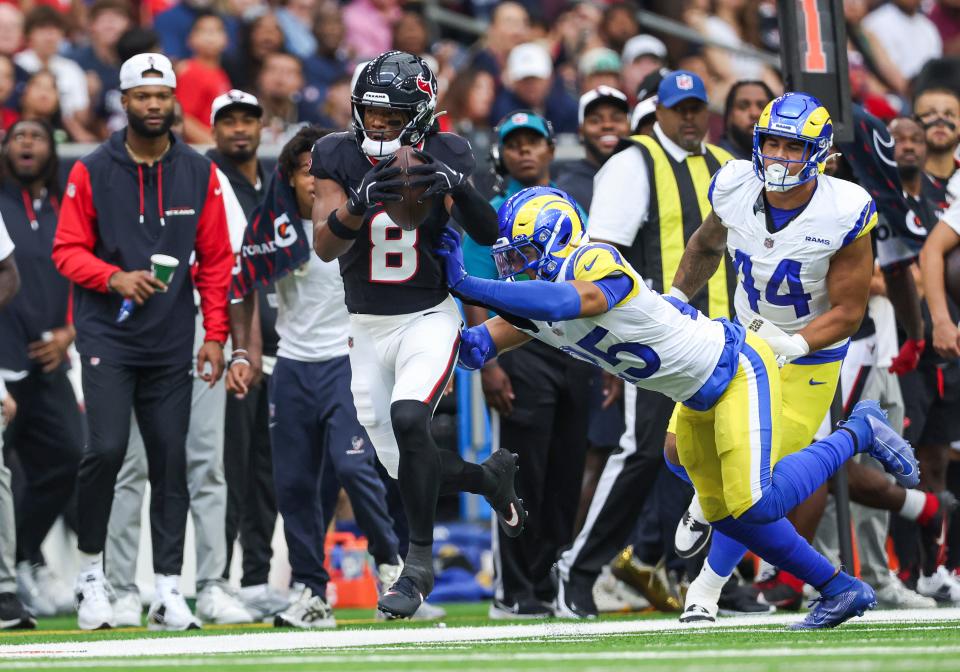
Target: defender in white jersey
[(800, 244), (585, 299)]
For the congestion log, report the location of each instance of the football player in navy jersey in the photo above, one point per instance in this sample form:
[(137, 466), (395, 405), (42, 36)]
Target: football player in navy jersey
[(405, 326)]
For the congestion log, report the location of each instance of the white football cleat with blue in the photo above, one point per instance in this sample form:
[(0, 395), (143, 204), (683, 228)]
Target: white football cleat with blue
[(889, 448)]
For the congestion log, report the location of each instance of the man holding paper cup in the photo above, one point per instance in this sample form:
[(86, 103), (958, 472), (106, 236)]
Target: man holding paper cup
[(140, 194)]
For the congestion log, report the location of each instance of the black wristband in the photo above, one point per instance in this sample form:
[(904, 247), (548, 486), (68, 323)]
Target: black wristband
[(339, 229)]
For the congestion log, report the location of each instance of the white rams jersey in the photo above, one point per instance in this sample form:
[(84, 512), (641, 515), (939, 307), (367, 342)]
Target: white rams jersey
[(782, 275), (644, 339)]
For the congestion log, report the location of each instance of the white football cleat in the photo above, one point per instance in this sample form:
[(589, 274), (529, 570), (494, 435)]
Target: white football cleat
[(894, 595), (263, 601), (941, 586), (30, 593), (92, 595), (216, 605), (169, 611), (308, 612), (128, 610)]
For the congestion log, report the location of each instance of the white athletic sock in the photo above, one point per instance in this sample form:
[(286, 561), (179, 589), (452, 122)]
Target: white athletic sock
[(913, 504), (166, 583), (705, 589), (91, 563)]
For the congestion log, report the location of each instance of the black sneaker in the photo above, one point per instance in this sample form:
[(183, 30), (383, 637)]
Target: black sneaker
[(402, 599), (781, 595), (502, 466), (521, 610), (12, 614), (737, 599), (574, 597)]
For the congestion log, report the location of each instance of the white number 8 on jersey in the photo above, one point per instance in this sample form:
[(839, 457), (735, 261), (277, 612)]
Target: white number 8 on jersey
[(394, 256)]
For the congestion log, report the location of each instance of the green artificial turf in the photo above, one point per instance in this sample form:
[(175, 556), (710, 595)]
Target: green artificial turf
[(930, 645)]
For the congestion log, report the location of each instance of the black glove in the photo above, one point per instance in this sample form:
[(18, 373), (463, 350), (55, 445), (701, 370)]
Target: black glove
[(438, 177), (377, 186)]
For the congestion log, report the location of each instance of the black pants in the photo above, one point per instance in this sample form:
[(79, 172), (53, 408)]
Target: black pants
[(625, 485), (548, 430), (47, 436), (160, 397), (251, 502), (652, 537)]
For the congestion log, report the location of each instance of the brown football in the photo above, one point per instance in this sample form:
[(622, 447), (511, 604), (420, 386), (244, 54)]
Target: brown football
[(408, 213)]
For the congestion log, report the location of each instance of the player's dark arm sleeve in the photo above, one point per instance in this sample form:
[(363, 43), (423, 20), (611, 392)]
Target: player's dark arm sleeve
[(9, 280), (474, 214), (902, 292)]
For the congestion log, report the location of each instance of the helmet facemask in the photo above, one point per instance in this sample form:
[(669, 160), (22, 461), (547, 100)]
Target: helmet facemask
[(777, 175), (395, 81)]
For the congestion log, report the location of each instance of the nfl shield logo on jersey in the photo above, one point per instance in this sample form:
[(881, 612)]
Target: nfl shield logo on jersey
[(768, 243)]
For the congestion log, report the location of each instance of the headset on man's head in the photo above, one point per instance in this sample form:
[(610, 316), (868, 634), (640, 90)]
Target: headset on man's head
[(496, 158)]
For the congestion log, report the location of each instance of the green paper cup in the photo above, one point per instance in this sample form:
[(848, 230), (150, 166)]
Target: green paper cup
[(163, 267)]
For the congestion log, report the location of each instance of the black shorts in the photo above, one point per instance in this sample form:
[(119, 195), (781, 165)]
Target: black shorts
[(931, 396)]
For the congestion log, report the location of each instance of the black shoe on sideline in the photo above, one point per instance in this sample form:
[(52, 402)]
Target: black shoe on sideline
[(13, 616), (574, 597), (737, 599)]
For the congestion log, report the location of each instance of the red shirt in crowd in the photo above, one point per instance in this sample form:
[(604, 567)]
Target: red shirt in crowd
[(198, 85)]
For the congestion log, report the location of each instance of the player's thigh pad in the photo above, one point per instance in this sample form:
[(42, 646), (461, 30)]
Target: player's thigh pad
[(747, 427), (697, 450), (808, 391), (371, 383), (427, 354)]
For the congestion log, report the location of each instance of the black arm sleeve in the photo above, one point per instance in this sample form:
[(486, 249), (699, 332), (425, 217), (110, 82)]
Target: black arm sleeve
[(475, 214)]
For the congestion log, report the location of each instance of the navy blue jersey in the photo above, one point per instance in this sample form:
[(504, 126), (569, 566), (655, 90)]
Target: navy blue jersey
[(389, 271)]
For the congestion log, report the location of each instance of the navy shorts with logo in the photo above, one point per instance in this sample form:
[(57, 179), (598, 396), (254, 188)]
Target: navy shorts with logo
[(313, 419)]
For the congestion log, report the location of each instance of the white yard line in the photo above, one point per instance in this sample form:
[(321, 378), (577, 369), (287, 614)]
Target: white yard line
[(477, 657), (339, 639)]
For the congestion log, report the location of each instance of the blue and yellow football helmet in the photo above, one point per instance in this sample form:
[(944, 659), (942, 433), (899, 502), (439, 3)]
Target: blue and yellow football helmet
[(539, 228), (796, 116)]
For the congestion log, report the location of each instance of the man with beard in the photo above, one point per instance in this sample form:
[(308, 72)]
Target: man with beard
[(251, 505), (745, 103), (931, 391), (604, 116), (34, 337), (938, 113), (140, 194), (206, 484)]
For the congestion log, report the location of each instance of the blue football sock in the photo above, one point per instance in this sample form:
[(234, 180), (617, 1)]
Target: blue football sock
[(797, 476), (725, 553), (779, 544), (839, 583), (678, 470)]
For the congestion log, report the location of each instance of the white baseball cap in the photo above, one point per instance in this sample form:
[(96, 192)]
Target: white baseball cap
[(142, 70), (644, 109), (529, 60), (234, 98), (643, 45), (602, 93)]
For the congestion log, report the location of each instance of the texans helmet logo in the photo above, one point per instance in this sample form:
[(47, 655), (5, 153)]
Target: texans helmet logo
[(425, 85)]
